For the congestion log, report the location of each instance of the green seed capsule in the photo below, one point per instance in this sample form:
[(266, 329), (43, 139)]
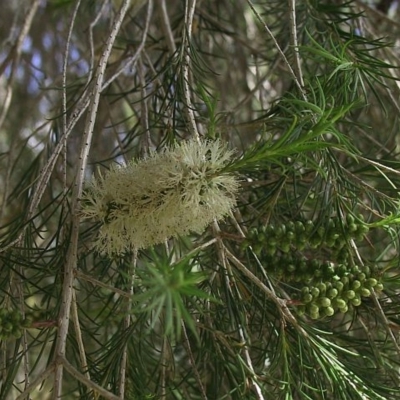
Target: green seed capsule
[(356, 301), (290, 236), (321, 232), (339, 285), (299, 227), (324, 302), (349, 219), (301, 310), (313, 308), (378, 287), (315, 242), (345, 280), (365, 292), (315, 291), (303, 266), (290, 226), (367, 270), (291, 268), (314, 316), (270, 251), (344, 309), (272, 241), (285, 247), (17, 333), (361, 277), (329, 311), (281, 230), (332, 293), (307, 298), (309, 226), (340, 303), (371, 282), (317, 273), (350, 294), (305, 290), (15, 316), (356, 284), (321, 286), (8, 327), (329, 271), (258, 247), (352, 228)]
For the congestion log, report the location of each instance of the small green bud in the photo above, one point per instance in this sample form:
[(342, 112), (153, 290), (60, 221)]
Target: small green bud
[(344, 309), (301, 310), (371, 282), (329, 311), (356, 301), (349, 219), (352, 228), (361, 277), (378, 287), (8, 326), (324, 302), (307, 298), (299, 227), (309, 226), (315, 291), (350, 294), (305, 290), (356, 285), (314, 316), (313, 308), (339, 285), (290, 226), (365, 292), (340, 303), (321, 286), (332, 293)]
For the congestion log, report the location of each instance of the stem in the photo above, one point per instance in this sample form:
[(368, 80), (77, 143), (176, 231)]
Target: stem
[(72, 254)]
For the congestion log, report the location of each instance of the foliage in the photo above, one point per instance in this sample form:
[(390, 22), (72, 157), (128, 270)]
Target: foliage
[(199, 200)]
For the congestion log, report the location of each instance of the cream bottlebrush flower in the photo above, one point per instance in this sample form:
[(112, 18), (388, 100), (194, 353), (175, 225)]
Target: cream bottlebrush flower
[(174, 192)]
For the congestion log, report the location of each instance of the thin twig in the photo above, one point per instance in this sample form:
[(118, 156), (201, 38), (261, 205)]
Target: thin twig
[(77, 192), (281, 303), (78, 335), (295, 44), (386, 322), (91, 42), (166, 27), (96, 282), (249, 362), (132, 61), (187, 35), (144, 109), (258, 16), (192, 361), (39, 379), (87, 382), (15, 55), (76, 114), (127, 322)]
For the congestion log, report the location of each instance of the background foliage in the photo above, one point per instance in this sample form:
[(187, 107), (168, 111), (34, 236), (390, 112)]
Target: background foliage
[(295, 294)]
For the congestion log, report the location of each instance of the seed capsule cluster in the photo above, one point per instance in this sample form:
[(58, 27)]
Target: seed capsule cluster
[(11, 323), (339, 292), (321, 288), (334, 234)]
